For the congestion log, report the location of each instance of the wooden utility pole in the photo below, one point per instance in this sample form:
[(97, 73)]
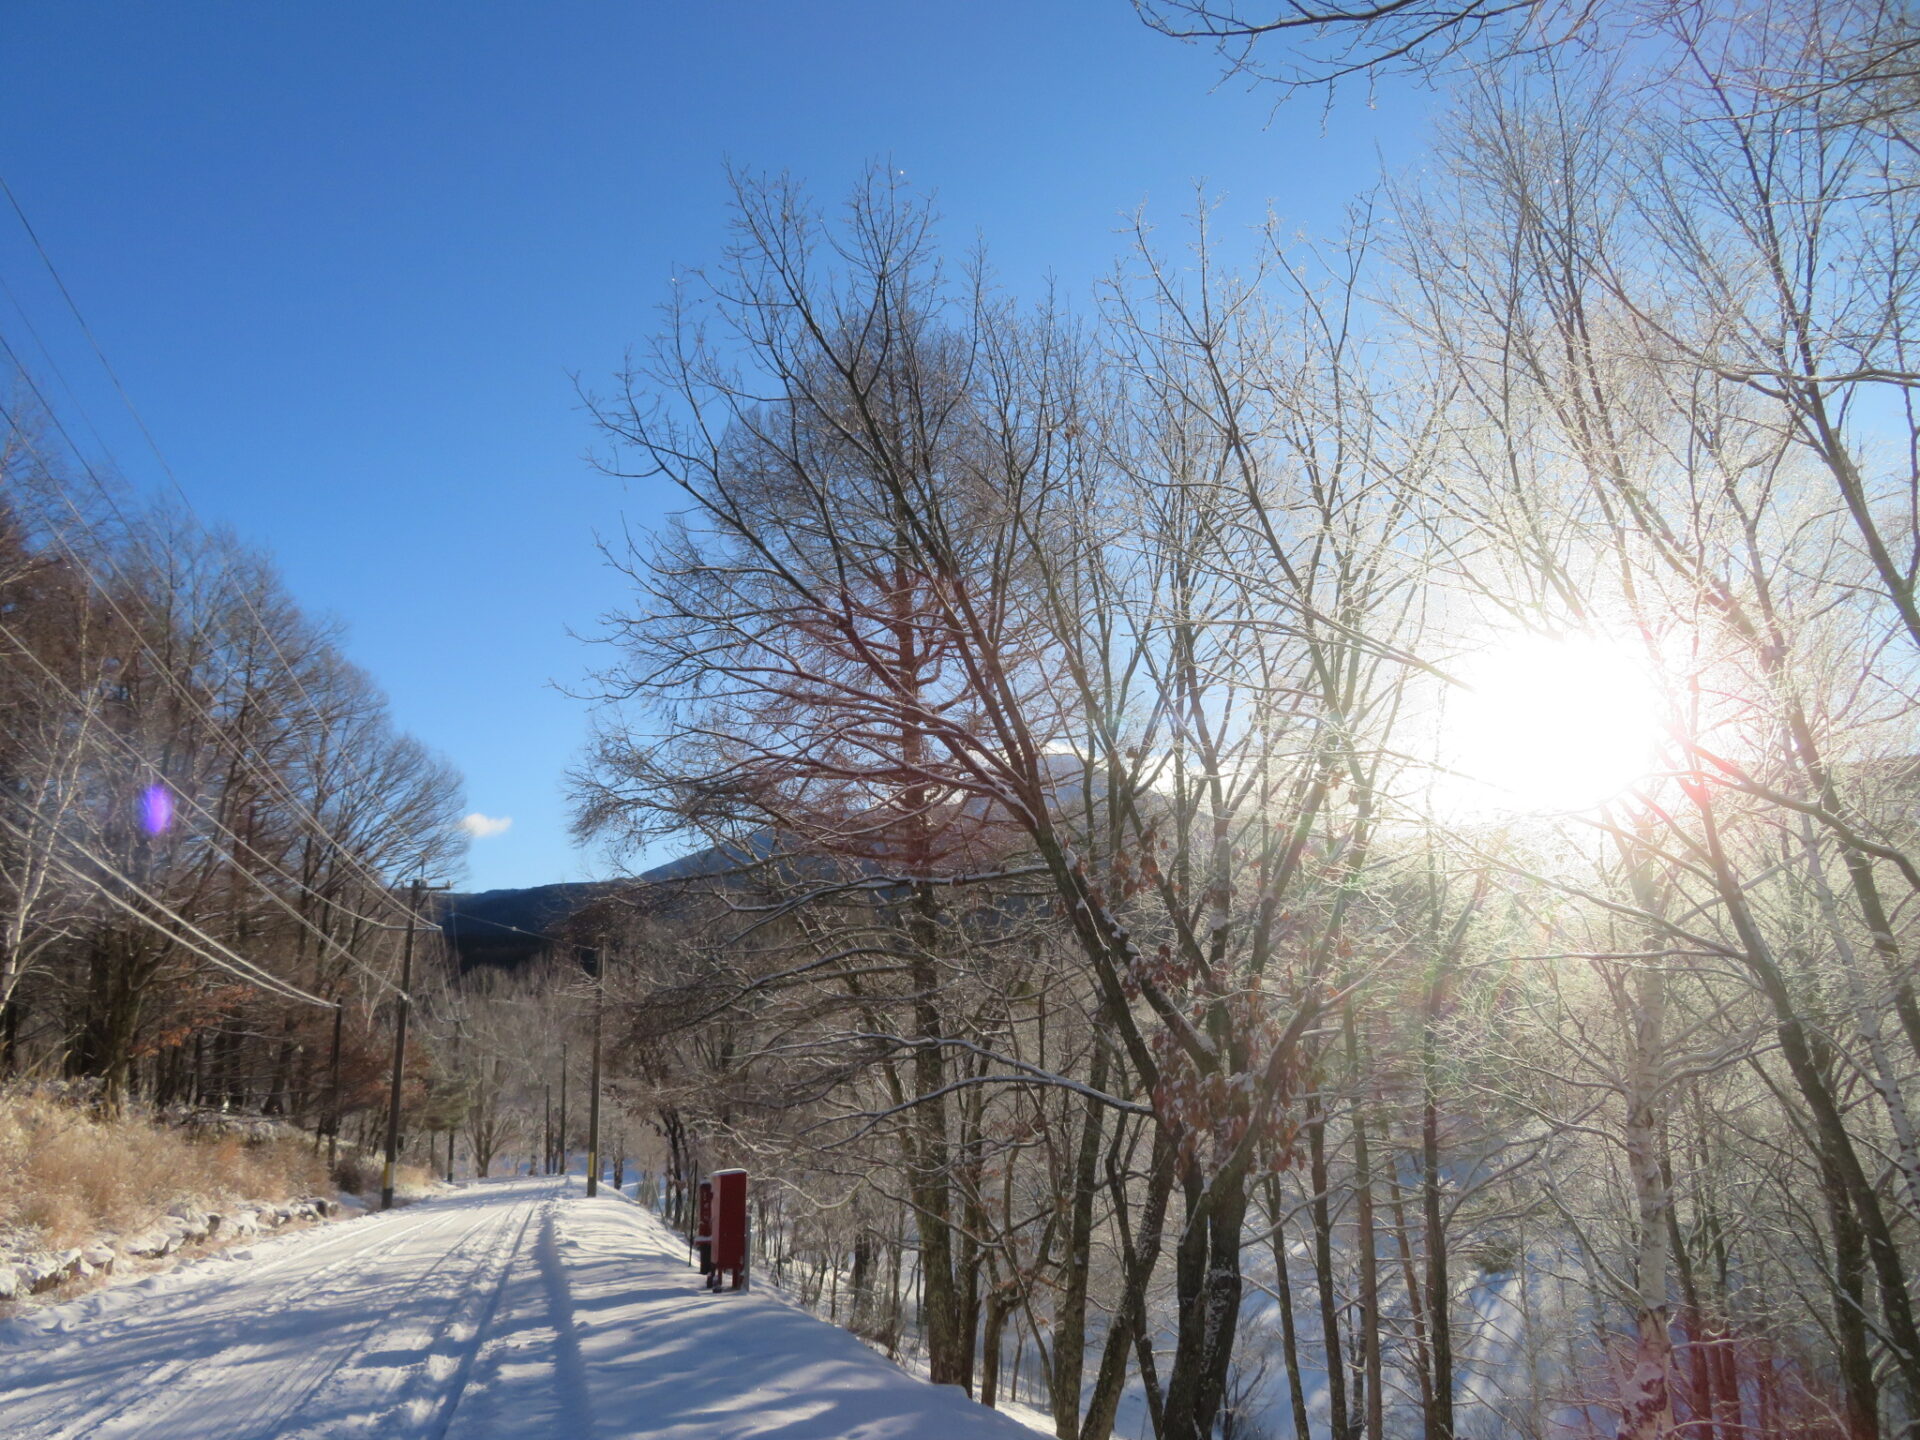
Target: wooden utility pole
[(453, 1130), (333, 1088), (593, 1100), (400, 1048)]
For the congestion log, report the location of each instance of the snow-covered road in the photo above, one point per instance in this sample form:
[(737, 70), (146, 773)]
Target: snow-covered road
[(515, 1308)]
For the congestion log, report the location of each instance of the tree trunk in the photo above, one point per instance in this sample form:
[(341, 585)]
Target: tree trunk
[(1861, 1397), (9, 1036), (1289, 1333), (1070, 1310), (1128, 1328), (1798, 1049), (1439, 1419), (1416, 1303), (1367, 1242), (930, 1185), (1646, 1411), (1208, 1285), (994, 1332), (1339, 1423)]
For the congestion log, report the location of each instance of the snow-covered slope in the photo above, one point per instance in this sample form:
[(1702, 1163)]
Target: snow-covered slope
[(512, 1308)]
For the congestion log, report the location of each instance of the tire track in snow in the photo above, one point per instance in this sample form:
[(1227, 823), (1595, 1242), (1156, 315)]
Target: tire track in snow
[(570, 1366), (471, 1358), (132, 1390), (217, 1275), (532, 1362), (388, 1396), (295, 1386), (512, 1311)]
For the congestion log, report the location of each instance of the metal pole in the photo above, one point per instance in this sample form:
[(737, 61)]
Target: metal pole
[(399, 1050), (593, 1103)]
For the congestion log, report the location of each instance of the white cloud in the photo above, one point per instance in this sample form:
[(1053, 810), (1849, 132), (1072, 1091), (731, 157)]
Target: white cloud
[(481, 826)]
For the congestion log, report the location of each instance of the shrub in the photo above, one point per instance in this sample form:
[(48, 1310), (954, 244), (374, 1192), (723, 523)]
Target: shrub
[(67, 1174), (355, 1173)]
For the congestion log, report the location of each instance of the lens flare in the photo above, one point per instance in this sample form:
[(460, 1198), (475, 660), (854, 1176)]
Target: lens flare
[(156, 809), (1550, 725)]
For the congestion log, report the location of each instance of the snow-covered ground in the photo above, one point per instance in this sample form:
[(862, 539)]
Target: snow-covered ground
[(514, 1308)]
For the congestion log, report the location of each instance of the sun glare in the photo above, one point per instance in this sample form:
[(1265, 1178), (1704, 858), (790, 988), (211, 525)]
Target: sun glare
[(1548, 725)]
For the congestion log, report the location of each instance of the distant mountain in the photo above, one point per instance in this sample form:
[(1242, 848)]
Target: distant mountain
[(510, 928)]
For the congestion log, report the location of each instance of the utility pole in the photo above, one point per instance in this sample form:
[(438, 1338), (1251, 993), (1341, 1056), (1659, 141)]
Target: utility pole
[(453, 1130), (546, 1130), (333, 1088), (593, 1101), (400, 1048), (561, 1138)]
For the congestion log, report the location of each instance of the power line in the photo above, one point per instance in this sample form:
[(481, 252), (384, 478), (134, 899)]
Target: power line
[(240, 752), (53, 364), (265, 630), (221, 826), (267, 776), (87, 330), (216, 953), (213, 819)]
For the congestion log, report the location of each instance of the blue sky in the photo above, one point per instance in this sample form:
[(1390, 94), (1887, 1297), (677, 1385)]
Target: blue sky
[(348, 258)]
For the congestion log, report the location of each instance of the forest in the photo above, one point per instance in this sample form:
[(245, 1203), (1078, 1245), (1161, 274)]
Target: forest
[(1329, 836), (208, 815), (1325, 843)]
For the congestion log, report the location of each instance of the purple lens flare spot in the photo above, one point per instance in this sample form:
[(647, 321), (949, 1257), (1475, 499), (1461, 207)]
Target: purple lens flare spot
[(156, 809)]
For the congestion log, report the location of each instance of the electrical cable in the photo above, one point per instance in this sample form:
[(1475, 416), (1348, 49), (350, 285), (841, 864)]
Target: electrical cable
[(219, 954), (271, 779), (46, 260), (221, 826)]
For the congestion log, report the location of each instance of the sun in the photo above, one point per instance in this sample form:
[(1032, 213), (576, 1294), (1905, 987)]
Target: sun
[(1548, 725)]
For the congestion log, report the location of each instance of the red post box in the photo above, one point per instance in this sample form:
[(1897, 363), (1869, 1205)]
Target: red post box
[(703, 1234), (729, 1227)]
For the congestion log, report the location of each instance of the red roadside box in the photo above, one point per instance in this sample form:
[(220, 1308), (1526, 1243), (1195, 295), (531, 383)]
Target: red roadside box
[(730, 1227)]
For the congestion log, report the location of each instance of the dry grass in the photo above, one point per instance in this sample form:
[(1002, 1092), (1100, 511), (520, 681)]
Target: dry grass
[(67, 1175), (358, 1173), (414, 1182)]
